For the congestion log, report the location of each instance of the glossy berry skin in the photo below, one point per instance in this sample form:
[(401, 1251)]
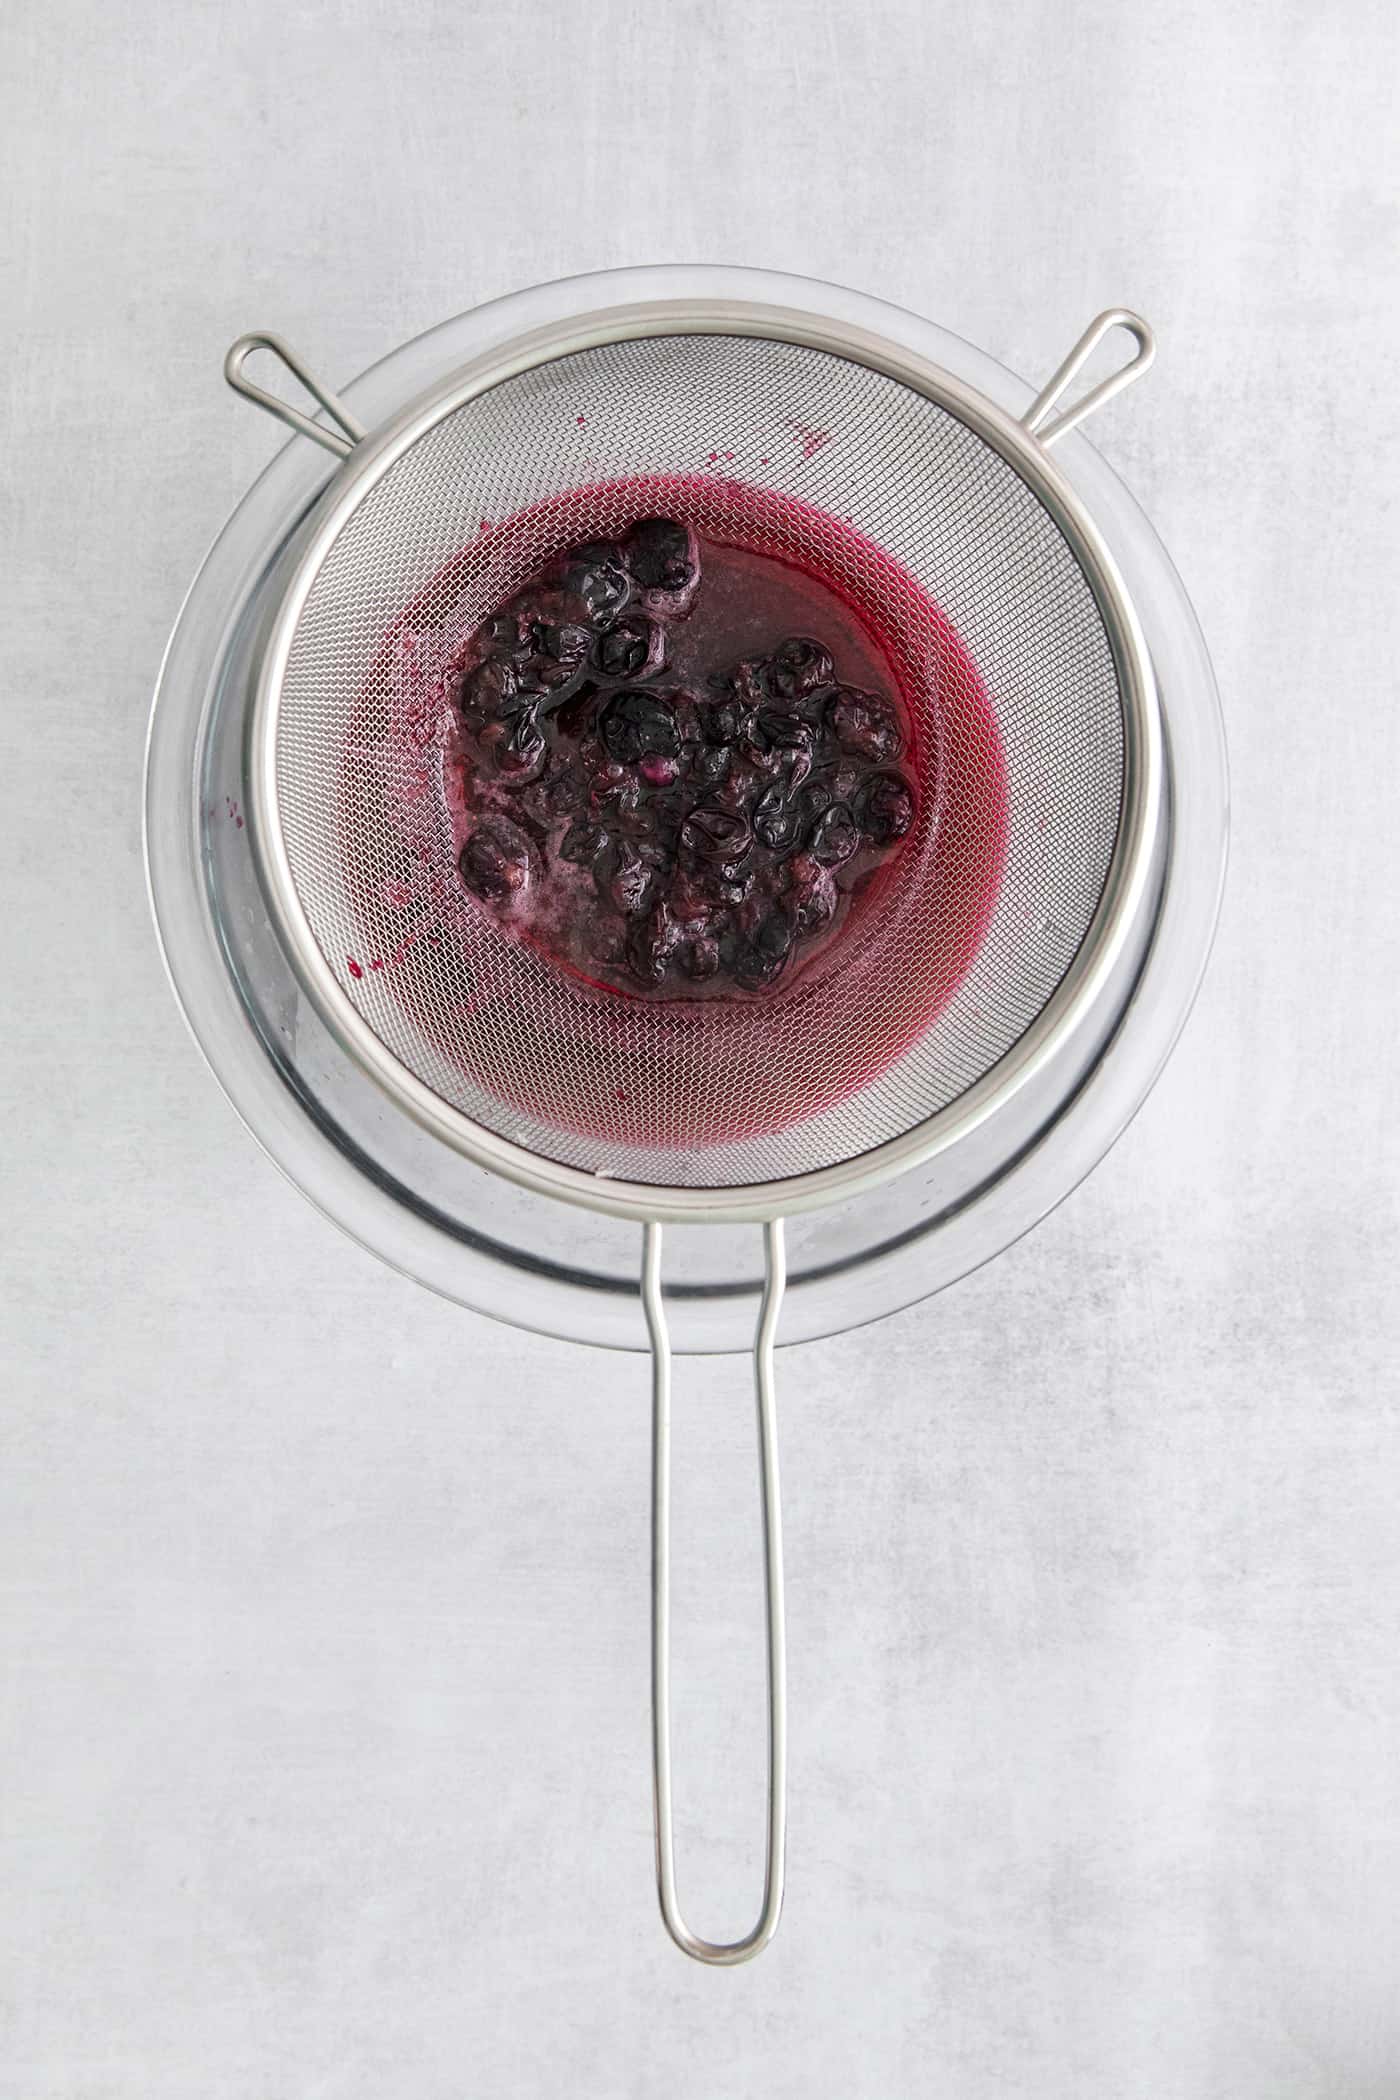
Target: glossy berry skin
[(664, 558), (635, 725), (866, 725), (515, 747), (633, 648), (884, 808), (835, 837), (554, 656), (495, 861), (798, 668), (595, 580), (488, 688)]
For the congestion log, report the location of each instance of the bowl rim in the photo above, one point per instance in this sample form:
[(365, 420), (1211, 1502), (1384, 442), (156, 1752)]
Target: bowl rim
[(1127, 887)]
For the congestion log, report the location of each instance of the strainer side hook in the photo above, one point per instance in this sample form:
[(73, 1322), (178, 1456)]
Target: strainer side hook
[(1113, 383), (341, 442)]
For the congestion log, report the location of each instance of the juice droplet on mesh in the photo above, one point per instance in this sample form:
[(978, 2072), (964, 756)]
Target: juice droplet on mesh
[(809, 436)]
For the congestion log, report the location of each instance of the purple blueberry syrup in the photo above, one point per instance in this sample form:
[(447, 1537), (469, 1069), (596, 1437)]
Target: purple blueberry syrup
[(682, 764)]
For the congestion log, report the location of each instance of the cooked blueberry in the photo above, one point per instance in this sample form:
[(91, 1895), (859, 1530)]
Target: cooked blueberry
[(779, 729), (495, 861), (732, 886), (651, 943), (561, 788), (745, 685), (725, 718), (661, 553), (574, 716), (501, 636), (634, 647), (778, 819), (635, 724), (515, 746), (764, 956), (487, 689), (717, 837), (706, 765), (626, 878), (597, 577), (664, 557), (885, 808), (798, 667), (615, 799), (866, 724), (835, 837), (816, 798), (775, 936), (812, 895), (555, 654), (845, 779), (699, 959)]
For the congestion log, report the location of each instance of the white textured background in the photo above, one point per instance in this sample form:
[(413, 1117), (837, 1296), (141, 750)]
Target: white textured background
[(323, 1752)]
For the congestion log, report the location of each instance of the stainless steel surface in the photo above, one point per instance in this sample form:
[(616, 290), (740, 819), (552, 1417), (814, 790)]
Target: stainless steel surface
[(724, 1954), (339, 441), (934, 474), (1054, 388)]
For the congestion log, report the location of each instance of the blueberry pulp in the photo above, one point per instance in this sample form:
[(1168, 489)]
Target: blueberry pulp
[(660, 790)]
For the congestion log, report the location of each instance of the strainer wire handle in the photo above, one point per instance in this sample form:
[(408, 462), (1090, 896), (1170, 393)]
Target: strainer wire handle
[(340, 441), (1034, 420), (719, 1953)]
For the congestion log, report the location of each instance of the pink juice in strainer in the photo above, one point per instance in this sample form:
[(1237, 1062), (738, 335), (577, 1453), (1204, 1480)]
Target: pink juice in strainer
[(752, 818)]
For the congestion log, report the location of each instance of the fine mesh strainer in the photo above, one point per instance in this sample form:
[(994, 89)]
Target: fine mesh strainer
[(1036, 744)]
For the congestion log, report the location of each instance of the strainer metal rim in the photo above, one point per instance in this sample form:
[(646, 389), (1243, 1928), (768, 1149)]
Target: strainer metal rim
[(371, 456)]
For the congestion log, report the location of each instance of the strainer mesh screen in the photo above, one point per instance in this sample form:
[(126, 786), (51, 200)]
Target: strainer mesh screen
[(1006, 669)]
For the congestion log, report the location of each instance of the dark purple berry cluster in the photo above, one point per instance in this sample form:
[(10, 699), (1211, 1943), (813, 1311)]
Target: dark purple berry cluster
[(663, 836)]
